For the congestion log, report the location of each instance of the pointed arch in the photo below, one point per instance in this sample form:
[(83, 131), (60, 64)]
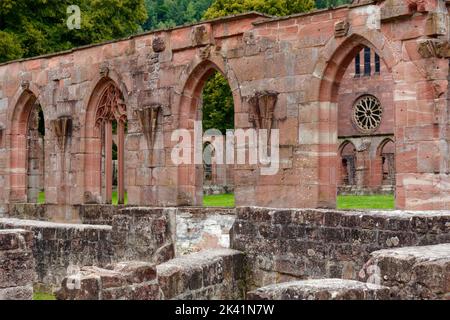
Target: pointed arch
[(107, 104), (190, 176), (23, 103), (335, 58)]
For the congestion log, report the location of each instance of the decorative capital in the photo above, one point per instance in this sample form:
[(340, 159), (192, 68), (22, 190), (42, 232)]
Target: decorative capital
[(25, 84), (341, 28), (148, 117), (205, 52), (104, 71), (434, 48), (262, 105), (158, 45), (199, 35), (62, 127)]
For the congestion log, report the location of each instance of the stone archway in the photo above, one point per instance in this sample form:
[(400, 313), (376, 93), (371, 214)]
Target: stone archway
[(190, 176), (337, 57), (386, 156), (347, 172), (27, 175), (106, 112)]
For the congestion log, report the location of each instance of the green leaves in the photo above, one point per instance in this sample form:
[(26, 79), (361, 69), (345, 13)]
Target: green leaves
[(170, 13), (9, 47), (222, 8), (34, 27), (218, 104)]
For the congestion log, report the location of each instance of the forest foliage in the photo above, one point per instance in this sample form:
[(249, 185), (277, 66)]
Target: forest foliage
[(33, 27)]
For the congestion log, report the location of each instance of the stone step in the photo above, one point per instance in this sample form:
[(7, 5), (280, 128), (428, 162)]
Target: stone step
[(321, 289), (421, 272)]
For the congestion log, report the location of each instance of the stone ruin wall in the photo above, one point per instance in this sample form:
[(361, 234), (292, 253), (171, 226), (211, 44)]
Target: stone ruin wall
[(275, 246), (299, 58), (17, 265), (286, 245), (110, 234)]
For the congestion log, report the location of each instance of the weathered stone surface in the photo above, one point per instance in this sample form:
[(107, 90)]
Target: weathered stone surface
[(321, 289), (412, 272), (284, 245), (132, 280), (211, 274), (298, 57), (203, 228), (146, 234), (16, 265), (56, 247), (17, 293)]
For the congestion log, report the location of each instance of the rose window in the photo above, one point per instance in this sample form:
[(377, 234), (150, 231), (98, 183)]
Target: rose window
[(367, 112)]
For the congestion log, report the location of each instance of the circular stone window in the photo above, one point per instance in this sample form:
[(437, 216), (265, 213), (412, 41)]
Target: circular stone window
[(367, 112)]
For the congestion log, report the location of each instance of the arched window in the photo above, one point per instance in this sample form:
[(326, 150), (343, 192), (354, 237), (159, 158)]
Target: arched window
[(367, 54), (35, 155), (111, 119), (348, 164), (387, 154)]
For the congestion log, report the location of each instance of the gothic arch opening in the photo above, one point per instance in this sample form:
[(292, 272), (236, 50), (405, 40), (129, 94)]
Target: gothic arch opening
[(27, 179), (358, 89), (347, 176), (106, 129), (207, 100), (386, 154)]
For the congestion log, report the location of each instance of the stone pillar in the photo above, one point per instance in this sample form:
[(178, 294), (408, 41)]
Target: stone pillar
[(108, 162), (121, 165)]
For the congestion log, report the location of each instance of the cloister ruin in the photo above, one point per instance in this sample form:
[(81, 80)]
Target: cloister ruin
[(359, 94)]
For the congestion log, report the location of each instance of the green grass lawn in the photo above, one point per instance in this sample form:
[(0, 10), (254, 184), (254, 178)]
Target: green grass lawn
[(366, 202), (219, 200), (343, 202), (43, 296), (41, 198), (115, 201)]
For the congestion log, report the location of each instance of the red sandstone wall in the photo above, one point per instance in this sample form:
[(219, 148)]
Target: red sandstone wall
[(300, 58), (351, 88)]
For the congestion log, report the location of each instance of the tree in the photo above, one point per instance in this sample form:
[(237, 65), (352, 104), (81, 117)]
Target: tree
[(218, 111), (34, 27), (218, 104), (170, 13), (322, 4), (222, 8)]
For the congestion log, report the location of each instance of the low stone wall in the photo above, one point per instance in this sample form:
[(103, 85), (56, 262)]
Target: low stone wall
[(323, 289), (144, 234), (97, 214), (125, 281), (57, 246), (212, 274), (412, 272), (217, 274), (285, 245), (16, 265), (203, 228)]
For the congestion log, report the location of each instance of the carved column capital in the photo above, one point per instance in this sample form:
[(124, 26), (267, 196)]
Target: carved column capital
[(148, 117), (262, 106), (62, 127), (434, 48)]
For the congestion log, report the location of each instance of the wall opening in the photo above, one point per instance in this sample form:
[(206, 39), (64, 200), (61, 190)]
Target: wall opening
[(36, 155), (106, 130), (209, 103), (365, 116), (217, 110)]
